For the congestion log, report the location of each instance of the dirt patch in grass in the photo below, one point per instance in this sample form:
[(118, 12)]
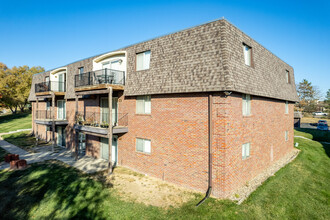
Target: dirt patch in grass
[(312, 120), (135, 187)]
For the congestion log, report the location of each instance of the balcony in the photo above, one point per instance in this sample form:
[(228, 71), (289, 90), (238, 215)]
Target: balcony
[(44, 117), (98, 123), (44, 88), (100, 79)]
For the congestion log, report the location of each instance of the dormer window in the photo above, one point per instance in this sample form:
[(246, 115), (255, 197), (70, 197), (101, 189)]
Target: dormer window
[(287, 76), (143, 60), (247, 54), (81, 70)]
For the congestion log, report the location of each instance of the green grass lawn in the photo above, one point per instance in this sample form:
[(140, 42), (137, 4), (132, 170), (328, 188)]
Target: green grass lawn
[(47, 190), (23, 140), (15, 122)]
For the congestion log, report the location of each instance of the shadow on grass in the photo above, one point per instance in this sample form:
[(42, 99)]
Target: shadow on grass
[(320, 136), (49, 190), (9, 118), (326, 147)]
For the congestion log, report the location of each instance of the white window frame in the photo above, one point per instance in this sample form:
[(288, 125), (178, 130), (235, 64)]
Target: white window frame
[(145, 102), (286, 135), (246, 149), (246, 104), (145, 60), (146, 145), (286, 107), (247, 50)]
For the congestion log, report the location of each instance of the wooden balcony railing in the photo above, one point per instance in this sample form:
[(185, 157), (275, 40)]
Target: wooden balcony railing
[(43, 114), (97, 119), (54, 86)]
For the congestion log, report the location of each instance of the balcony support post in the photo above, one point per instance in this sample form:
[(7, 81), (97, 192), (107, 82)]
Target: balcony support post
[(35, 117), (110, 129), (76, 131), (53, 121)]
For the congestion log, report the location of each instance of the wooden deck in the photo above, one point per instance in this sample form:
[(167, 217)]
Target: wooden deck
[(98, 131), (49, 93), (50, 121), (100, 86)]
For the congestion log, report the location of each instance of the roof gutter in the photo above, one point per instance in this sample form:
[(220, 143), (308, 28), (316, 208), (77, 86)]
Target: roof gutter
[(210, 137)]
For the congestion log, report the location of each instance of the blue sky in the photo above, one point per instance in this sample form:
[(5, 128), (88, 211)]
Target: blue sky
[(54, 33)]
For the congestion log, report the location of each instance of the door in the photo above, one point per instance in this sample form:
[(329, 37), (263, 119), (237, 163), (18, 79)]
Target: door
[(47, 86), (115, 65), (104, 148), (105, 111), (114, 151), (106, 72), (61, 82), (82, 144), (114, 111), (60, 136), (61, 109)]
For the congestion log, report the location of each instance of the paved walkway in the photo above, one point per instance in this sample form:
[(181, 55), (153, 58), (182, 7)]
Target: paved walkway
[(85, 164), (311, 139)]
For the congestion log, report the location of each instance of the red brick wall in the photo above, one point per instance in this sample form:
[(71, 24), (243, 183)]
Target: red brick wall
[(93, 146), (264, 129), (177, 128)]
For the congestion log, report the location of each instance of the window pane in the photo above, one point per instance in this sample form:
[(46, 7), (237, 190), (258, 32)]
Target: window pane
[(146, 60), (287, 75), (140, 105), (147, 105), (139, 61), (286, 107), (246, 108), (147, 146), (139, 145), (247, 55), (248, 105), (243, 151), (247, 150)]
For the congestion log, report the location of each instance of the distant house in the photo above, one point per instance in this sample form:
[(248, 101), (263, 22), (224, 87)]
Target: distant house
[(163, 107)]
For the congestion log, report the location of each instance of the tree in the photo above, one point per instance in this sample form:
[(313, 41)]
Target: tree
[(327, 100), (308, 95), (15, 84)]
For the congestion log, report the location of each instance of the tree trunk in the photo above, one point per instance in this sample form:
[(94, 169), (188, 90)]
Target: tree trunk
[(12, 110)]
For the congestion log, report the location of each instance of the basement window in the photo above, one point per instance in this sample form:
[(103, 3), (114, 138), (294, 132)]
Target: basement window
[(247, 54), (246, 151), (143, 145), (143, 60)]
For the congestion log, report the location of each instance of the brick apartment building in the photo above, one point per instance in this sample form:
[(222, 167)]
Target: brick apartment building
[(205, 106)]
